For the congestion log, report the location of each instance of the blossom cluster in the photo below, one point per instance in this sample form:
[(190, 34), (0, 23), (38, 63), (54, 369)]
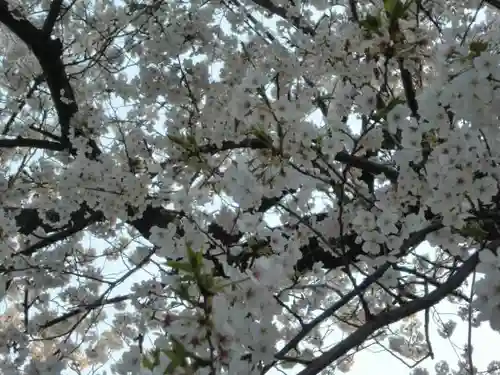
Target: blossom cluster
[(231, 187)]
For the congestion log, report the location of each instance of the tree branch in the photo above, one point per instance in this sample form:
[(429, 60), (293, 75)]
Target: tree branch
[(343, 157), (50, 21), (90, 306), (63, 234), (386, 318), (279, 11), (49, 55), (365, 284), (28, 142)]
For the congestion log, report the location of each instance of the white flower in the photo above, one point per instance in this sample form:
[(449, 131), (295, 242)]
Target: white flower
[(442, 368), (386, 222), (372, 236), (414, 222), (254, 79), (446, 331), (371, 247), (390, 278), (420, 371), (367, 100), (485, 64), (411, 136), (484, 189), (365, 220), (398, 118), (488, 258), (494, 318), (373, 139), (396, 343), (394, 242)]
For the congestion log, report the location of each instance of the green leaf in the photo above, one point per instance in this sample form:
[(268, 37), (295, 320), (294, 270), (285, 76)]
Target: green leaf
[(199, 258), (171, 368), (396, 9), (179, 349), (474, 230), (188, 143), (207, 282), (371, 23), (390, 5), (262, 135), (183, 292), (195, 258), (175, 361), (180, 266), (151, 360), (477, 47), (147, 363)]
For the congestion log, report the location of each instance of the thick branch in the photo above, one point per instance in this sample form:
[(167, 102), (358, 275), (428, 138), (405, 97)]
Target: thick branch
[(365, 284), (279, 11), (368, 166), (50, 21), (386, 318), (97, 304), (48, 53), (28, 142), (343, 157), (63, 234), (29, 219), (494, 3)]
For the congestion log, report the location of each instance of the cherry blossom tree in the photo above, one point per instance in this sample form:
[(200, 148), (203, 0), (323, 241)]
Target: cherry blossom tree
[(212, 187)]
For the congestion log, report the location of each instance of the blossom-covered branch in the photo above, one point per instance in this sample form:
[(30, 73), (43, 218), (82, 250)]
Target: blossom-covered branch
[(212, 188)]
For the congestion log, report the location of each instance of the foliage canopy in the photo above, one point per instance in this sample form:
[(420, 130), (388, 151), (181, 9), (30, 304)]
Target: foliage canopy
[(206, 187)]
